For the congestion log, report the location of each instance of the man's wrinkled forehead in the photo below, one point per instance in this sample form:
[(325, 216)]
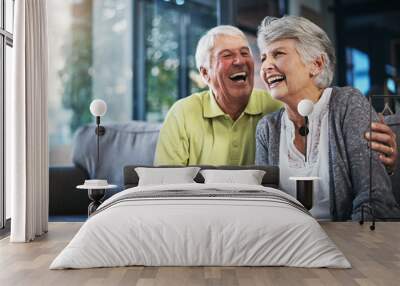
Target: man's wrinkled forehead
[(229, 42)]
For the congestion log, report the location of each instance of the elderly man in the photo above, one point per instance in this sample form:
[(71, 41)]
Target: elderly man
[(217, 127)]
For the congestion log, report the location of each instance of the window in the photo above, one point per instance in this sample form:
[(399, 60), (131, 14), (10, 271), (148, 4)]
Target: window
[(171, 34), (136, 55), (6, 43), (9, 16), (162, 59), (358, 70)]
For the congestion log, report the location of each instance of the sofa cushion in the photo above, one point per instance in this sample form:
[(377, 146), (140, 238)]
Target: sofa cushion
[(131, 143)]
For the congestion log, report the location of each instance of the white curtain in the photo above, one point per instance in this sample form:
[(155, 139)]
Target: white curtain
[(26, 129)]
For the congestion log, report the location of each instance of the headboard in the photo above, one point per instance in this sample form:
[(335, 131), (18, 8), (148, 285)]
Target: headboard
[(270, 179)]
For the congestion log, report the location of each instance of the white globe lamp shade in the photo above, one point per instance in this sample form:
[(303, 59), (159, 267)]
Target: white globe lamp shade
[(305, 107), (98, 107)]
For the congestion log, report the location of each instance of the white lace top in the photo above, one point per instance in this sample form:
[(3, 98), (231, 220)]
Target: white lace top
[(292, 161)]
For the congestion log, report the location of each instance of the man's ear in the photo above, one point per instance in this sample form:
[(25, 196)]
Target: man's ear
[(317, 65), (204, 74)]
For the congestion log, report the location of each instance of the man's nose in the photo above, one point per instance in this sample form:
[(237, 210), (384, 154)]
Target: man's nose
[(238, 59)]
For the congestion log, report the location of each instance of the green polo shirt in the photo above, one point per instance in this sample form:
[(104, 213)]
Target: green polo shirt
[(197, 132)]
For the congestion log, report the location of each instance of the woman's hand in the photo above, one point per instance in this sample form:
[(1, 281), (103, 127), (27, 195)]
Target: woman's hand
[(383, 140)]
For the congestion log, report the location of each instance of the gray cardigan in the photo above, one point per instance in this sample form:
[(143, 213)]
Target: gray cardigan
[(348, 156)]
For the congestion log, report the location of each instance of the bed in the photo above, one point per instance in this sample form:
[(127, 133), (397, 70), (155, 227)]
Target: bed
[(201, 224)]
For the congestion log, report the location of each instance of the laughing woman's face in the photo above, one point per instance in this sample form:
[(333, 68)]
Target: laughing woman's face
[(283, 71)]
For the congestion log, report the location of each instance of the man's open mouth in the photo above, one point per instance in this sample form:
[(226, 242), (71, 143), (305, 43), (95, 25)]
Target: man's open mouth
[(238, 77), (273, 79)]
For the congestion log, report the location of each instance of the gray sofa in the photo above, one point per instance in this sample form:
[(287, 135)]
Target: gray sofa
[(131, 143), (126, 144)]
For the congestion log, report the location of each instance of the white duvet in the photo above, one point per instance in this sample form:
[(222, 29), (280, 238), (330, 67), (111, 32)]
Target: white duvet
[(182, 231)]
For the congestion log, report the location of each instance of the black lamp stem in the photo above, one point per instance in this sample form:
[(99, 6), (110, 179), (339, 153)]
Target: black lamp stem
[(98, 137), (305, 138)]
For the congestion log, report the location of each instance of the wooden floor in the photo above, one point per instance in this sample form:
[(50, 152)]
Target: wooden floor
[(374, 255)]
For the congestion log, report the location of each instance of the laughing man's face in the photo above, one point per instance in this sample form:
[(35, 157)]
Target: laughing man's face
[(231, 72)]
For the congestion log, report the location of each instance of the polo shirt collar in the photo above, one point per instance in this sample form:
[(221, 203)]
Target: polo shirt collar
[(254, 106), (211, 108)]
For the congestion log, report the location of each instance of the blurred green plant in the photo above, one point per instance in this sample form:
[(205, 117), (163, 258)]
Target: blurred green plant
[(161, 61), (162, 57), (75, 75)]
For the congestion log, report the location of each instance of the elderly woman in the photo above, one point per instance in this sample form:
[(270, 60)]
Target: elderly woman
[(298, 63)]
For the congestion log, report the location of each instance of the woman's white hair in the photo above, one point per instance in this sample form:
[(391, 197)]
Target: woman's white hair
[(311, 42), (207, 41)]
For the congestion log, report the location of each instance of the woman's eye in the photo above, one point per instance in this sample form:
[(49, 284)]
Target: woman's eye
[(263, 59)]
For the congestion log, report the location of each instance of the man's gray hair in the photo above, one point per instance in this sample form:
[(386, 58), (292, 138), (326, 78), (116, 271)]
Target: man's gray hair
[(207, 41), (311, 42)]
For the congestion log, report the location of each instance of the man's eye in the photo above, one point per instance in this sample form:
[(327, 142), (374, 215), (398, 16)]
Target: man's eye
[(263, 58), (227, 55)]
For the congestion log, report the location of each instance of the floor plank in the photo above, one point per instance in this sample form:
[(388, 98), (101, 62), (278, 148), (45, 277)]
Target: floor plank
[(374, 255)]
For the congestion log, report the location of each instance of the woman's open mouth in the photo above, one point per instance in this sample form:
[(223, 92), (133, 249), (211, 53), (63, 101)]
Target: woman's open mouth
[(275, 80)]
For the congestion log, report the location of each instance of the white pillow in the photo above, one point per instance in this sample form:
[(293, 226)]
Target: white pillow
[(164, 176), (248, 177)]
